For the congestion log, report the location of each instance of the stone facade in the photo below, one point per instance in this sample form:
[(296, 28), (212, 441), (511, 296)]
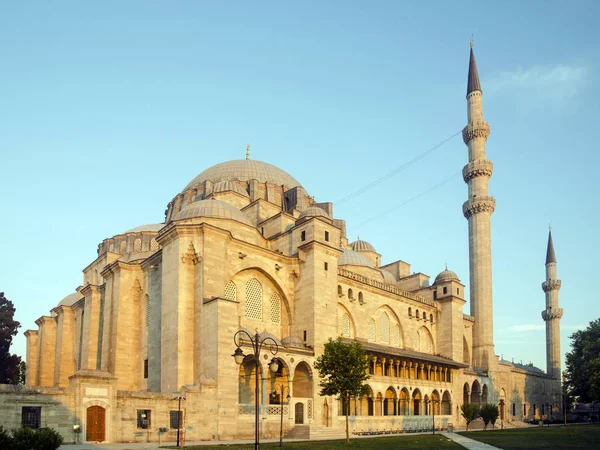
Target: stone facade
[(149, 333)]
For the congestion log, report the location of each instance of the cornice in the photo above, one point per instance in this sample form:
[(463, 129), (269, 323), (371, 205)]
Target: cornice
[(476, 205), (551, 285), (477, 129)]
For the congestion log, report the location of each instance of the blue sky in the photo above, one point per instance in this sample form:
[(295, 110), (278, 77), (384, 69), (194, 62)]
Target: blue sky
[(108, 109)]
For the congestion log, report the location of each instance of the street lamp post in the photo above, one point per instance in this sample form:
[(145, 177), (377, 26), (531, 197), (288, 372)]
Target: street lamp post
[(256, 343), (179, 398), (502, 414), (283, 388)]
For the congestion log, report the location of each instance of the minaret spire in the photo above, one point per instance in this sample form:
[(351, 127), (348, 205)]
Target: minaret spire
[(552, 313), (478, 211)]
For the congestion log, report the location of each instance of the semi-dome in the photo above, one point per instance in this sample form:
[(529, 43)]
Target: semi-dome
[(388, 277), (154, 227), (228, 185), (352, 258), (362, 246), (314, 211), (446, 275), (244, 170), (70, 299), (212, 208)]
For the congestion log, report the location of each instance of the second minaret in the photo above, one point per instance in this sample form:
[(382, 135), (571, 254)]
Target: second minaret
[(478, 210)]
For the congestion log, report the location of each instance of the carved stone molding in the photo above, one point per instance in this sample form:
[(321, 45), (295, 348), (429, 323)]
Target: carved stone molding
[(478, 205), (478, 168), (551, 285), (555, 313), (478, 129), (191, 257)]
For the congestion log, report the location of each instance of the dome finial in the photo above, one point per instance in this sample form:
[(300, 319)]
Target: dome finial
[(446, 266), (471, 42), (358, 237), (248, 151)]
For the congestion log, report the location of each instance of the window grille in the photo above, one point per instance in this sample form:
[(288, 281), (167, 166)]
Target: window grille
[(123, 247), (147, 310), (231, 291), (31, 416), (174, 419), (310, 409), (275, 308), (345, 325), (111, 248), (371, 330), (396, 335), (137, 245), (254, 299), (145, 369), (144, 418), (153, 245), (384, 328)]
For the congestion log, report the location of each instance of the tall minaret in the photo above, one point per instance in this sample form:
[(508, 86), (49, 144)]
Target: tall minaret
[(478, 210), (552, 313)]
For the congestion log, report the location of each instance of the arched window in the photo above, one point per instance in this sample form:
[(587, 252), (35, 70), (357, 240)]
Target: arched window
[(123, 247), (345, 325), (417, 313), (396, 335), (340, 291), (137, 245), (360, 297), (147, 310), (424, 315), (371, 330), (111, 247), (231, 291), (409, 312), (275, 308), (431, 318), (384, 328), (254, 299), (350, 294), (153, 245)]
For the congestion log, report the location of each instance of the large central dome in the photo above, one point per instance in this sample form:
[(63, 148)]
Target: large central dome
[(244, 170)]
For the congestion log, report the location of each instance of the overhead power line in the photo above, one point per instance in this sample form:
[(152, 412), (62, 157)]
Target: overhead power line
[(439, 185), (397, 170)]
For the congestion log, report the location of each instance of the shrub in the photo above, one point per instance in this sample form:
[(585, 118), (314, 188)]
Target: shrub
[(48, 439), (470, 412), (5, 439), (25, 438)]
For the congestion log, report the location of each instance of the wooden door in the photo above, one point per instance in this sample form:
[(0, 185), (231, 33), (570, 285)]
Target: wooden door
[(95, 424), (299, 413)]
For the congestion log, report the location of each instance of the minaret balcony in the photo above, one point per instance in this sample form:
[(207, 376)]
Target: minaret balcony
[(552, 313), (551, 285), (476, 205), (476, 129), (477, 168)]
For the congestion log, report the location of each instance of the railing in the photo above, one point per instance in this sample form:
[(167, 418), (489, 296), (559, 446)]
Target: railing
[(386, 287)]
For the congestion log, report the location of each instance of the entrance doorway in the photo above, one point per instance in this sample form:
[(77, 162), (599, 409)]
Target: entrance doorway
[(299, 413), (95, 424)]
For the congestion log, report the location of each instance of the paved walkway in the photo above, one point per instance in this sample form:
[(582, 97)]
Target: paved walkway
[(469, 444)]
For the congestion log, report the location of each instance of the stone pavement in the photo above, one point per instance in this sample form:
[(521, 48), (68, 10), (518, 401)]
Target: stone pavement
[(469, 444)]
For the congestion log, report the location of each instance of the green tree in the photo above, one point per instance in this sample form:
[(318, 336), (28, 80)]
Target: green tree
[(470, 412), (489, 413), (343, 371), (10, 364), (583, 364)]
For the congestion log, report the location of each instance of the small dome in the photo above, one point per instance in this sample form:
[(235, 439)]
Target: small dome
[(154, 227), (212, 208), (362, 246), (314, 211), (228, 185), (388, 278), (70, 299), (244, 170), (288, 227), (446, 275), (352, 258)]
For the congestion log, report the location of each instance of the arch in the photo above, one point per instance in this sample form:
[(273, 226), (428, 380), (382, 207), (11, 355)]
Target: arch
[(378, 404), (424, 315), (435, 402), (427, 409), (409, 312), (275, 381), (476, 393), (396, 335), (404, 402), (254, 305), (340, 291), (466, 394), (95, 424), (346, 325), (466, 353), (371, 330), (389, 402), (275, 308), (137, 245), (95, 276), (384, 327), (431, 318), (417, 313), (247, 380), (446, 404), (484, 394), (366, 402), (361, 298), (153, 245), (416, 401), (230, 291), (350, 294), (425, 340), (123, 247), (303, 380)]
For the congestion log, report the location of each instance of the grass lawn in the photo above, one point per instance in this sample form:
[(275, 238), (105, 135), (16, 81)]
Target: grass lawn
[(555, 437), (428, 442)]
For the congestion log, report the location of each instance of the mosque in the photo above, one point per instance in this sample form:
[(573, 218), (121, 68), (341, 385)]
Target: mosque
[(144, 346)]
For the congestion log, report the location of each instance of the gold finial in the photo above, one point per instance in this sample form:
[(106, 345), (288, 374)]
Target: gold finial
[(248, 151), (446, 266), (471, 41)]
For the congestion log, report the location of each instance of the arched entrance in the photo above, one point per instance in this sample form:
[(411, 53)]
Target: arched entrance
[(95, 424), (299, 413), (417, 402)]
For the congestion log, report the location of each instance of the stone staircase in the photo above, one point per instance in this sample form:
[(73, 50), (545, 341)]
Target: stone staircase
[(315, 432)]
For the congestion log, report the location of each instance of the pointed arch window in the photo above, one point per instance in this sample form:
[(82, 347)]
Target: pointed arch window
[(137, 245), (275, 308), (372, 330), (384, 328), (231, 291), (396, 335), (345, 325), (254, 299)]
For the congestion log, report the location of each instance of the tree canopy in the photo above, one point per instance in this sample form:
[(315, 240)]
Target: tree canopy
[(583, 363), (470, 412), (489, 413), (11, 366)]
